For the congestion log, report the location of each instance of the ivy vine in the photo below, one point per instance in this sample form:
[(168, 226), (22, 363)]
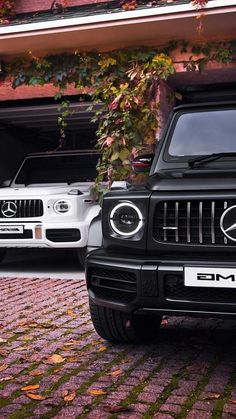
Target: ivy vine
[(125, 83)]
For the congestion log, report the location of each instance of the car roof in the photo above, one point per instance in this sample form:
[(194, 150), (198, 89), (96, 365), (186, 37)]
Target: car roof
[(204, 105), (64, 153)]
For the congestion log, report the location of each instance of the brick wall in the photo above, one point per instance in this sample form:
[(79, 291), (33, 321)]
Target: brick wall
[(29, 92), (24, 6)]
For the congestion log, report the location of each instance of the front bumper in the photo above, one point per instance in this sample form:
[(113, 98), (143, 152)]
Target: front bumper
[(43, 234), (147, 284)]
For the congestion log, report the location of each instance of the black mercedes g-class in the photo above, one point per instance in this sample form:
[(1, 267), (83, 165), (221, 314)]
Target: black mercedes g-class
[(169, 247)]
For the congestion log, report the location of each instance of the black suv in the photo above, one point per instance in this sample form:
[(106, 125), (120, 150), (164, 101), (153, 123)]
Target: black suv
[(169, 247)]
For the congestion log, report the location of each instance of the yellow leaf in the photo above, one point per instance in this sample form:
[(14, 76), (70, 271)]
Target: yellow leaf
[(71, 343), (30, 387), (21, 348), (35, 373), (72, 359), (55, 359), (102, 349), (26, 338), (97, 392), (213, 396), (115, 373), (9, 377), (70, 396), (71, 313), (34, 396)]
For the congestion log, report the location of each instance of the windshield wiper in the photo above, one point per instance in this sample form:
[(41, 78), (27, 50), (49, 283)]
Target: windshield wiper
[(198, 161)]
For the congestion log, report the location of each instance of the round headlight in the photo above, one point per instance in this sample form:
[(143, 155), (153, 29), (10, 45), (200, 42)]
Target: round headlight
[(126, 219), (60, 207)]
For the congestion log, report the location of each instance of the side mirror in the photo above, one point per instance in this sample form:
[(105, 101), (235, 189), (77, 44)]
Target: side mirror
[(142, 164)]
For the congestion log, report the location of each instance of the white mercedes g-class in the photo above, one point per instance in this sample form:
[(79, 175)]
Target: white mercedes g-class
[(49, 203)]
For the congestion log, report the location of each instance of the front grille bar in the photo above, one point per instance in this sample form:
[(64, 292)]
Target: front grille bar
[(200, 222), (191, 222)]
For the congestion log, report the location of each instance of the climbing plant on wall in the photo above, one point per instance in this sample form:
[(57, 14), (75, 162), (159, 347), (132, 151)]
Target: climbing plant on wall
[(125, 83), (7, 10)]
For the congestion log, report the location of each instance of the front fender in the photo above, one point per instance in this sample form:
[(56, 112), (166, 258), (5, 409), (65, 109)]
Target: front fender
[(95, 234)]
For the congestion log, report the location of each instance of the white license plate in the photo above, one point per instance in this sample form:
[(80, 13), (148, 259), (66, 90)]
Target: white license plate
[(6, 229), (203, 276)]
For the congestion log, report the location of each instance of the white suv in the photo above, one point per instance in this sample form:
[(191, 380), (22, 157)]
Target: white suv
[(49, 203)]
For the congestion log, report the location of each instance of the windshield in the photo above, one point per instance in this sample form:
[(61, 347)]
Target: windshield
[(203, 133), (58, 169)]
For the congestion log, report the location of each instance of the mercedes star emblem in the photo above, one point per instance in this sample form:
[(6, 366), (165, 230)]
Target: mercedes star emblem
[(228, 223), (9, 209)]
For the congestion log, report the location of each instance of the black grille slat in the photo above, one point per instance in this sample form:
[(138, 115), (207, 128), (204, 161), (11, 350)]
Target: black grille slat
[(25, 208), (190, 222), (176, 290), (114, 284)]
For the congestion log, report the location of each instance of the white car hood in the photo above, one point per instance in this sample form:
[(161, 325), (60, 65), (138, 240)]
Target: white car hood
[(43, 190)]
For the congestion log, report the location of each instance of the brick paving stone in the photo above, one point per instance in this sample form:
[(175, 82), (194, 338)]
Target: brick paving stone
[(34, 314), (198, 414)]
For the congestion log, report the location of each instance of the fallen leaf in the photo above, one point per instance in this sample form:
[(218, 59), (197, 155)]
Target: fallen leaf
[(27, 338), (3, 340), (34, 396), (115, 373), (96, 342), (55, 359), (70, 396), (30, 387), (232, 401), (3, 352), (102, 349), (9, 377), (117, 409), (213, 396), (57, 370), (97, 392), (71, 313), (35, 373), (3, 367), (72, 359), (21, 348), (71, 343)]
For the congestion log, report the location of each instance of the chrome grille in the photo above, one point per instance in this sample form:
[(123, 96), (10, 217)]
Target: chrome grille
[(190, 222), (25, 208)]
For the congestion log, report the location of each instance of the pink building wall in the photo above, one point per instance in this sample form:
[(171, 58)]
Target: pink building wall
[(23, 6)]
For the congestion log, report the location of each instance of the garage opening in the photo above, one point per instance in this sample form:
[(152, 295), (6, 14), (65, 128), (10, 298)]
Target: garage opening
[(32, 126)]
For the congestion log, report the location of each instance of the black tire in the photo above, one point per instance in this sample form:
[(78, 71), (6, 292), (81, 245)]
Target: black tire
[(120, 327), (81, 255), (2, 254)]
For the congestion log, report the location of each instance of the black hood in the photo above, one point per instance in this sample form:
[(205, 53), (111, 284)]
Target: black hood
[(177, 181)]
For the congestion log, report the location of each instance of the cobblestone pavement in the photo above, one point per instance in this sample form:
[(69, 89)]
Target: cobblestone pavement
[(54, 365)]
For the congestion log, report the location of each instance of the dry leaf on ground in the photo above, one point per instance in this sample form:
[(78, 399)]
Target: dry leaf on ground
[(213, 396), (69, 397), (102, 349), (71, 313), (3, 367), (35, 373), (34, 396), (21, 348), (8, 378), (115, 373), (30, 387), (96, 392), (3, 340), (55, 359)]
